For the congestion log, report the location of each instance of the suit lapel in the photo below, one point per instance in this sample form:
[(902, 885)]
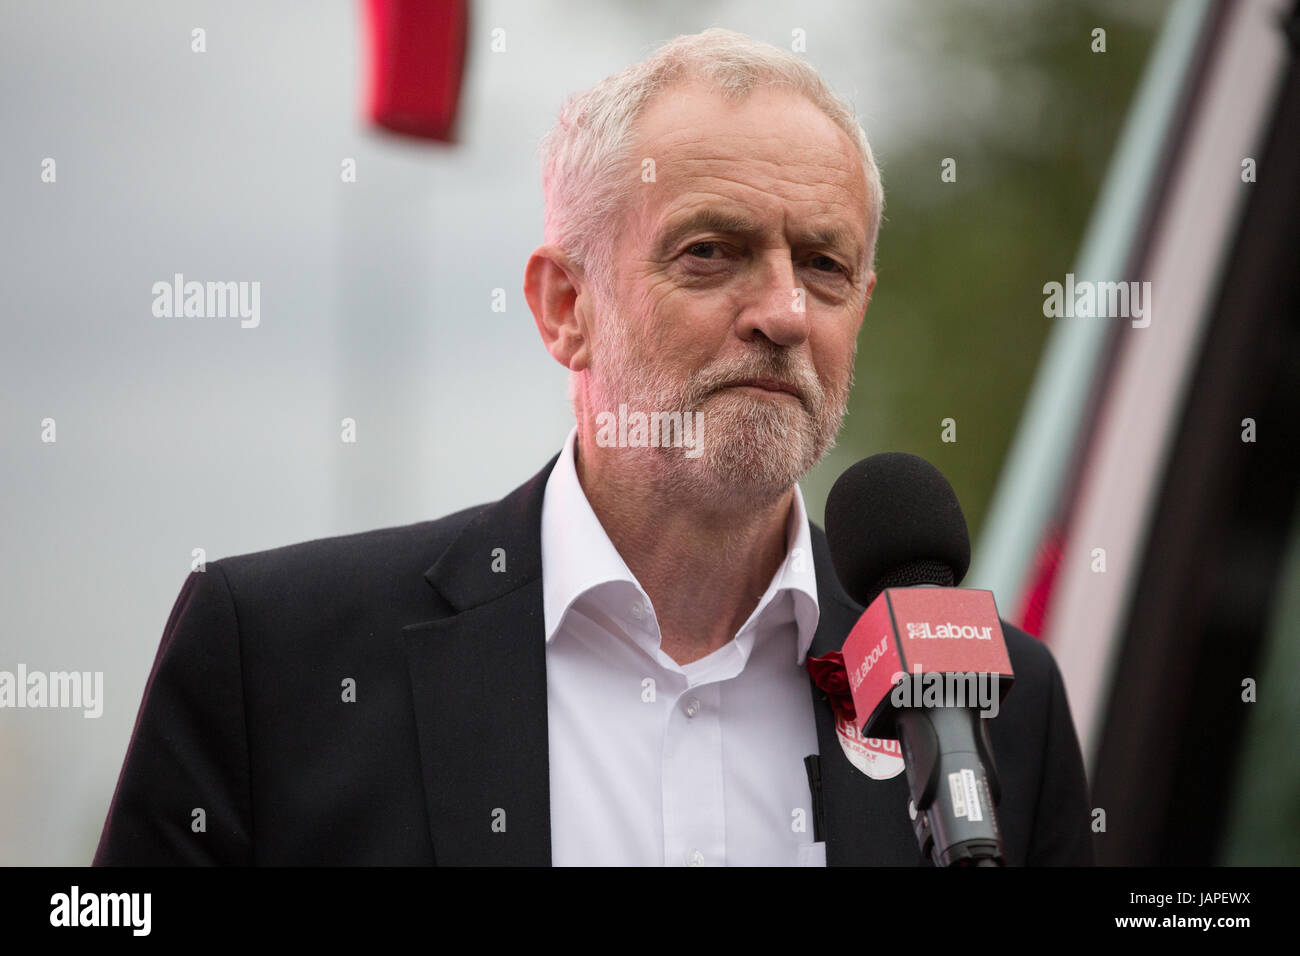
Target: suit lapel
[(478, 680), (866, 820)]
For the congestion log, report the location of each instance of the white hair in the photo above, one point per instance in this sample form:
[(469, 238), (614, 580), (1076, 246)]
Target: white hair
[(585, 173)]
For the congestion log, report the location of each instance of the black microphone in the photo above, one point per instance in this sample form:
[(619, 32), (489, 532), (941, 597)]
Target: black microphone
[(893, 521), (899, 544)]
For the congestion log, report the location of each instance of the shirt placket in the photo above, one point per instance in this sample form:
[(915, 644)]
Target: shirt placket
[(694, 819)]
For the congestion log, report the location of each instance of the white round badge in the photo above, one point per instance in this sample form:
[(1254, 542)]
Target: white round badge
[(878, 757)]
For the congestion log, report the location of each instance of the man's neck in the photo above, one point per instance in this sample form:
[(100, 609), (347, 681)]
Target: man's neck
[(704, 564)]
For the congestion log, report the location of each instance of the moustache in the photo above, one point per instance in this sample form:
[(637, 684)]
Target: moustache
[(780, 374)]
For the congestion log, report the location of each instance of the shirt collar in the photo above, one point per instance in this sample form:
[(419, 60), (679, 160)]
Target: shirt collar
[(577, 556)]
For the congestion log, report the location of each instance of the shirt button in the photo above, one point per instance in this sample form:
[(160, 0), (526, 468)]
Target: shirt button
[(692, 708), (637, 612), (696, 858)]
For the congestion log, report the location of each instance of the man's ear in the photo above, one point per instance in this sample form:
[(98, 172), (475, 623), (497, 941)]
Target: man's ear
[(871, 287), (561, 304)]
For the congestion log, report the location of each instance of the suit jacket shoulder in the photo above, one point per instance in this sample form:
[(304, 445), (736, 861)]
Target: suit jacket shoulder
[(277, 724), (1035, 730)]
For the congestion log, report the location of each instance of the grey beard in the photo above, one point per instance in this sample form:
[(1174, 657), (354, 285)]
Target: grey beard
[(752, 450)]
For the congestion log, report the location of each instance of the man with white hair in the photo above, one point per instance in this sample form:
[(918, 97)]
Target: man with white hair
[(607, 666)]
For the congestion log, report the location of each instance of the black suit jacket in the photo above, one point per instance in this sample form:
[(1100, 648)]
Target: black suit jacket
[(246, 752)]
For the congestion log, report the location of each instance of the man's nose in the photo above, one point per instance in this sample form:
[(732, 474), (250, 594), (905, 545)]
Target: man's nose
[(778, 310)]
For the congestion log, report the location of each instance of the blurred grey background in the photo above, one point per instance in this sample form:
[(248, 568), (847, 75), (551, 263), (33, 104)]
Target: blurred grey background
[(176, 434)]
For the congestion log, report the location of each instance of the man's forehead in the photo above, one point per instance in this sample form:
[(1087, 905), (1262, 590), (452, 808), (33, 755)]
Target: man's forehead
[(691, 123), (771, 159)]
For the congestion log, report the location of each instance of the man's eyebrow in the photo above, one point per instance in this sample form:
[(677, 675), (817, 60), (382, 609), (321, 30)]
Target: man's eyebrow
[(716, 220), (704, 220), (829, 237)]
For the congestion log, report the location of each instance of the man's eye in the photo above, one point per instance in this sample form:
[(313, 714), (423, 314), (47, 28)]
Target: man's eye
[(825, 264), (705, 250)]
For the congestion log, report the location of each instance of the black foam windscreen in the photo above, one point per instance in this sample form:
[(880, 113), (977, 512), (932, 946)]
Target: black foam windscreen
[(892, 520)]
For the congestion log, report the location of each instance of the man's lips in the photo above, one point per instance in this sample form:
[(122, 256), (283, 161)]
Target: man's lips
[(767, 385)]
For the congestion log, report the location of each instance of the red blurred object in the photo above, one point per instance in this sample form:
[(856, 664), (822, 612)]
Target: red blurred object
[(417, 60), (1042, 579)]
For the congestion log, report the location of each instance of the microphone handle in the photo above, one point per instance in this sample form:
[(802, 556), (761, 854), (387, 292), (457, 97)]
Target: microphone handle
[(953, 784)]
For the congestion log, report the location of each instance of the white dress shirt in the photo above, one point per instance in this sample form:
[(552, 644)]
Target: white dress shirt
[(653, 763)]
